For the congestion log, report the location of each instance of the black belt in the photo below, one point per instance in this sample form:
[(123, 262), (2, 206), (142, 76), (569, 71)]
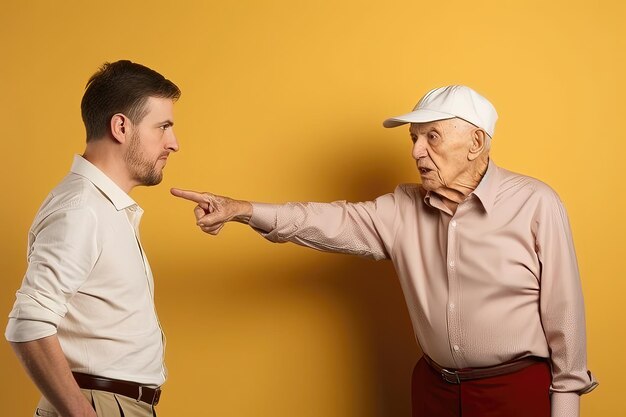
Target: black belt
[(126, 388), (456, 376)]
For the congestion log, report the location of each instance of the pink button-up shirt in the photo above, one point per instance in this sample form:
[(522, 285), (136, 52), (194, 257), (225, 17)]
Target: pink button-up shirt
[(495, 281)]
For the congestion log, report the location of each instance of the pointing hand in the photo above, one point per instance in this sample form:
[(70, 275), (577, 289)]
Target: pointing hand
[(214, 211)]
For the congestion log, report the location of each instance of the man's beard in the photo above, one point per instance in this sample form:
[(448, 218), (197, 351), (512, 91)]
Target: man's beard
[(141, 169)]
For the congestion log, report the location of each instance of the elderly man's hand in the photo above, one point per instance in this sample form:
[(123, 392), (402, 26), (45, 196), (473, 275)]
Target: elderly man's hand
[(213, 211)]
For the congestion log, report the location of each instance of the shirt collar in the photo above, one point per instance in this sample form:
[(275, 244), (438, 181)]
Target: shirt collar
[(485, 192), (488, 187), (106, 185)]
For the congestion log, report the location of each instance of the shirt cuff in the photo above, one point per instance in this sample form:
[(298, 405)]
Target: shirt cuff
[(565, 404), (263, 217), (27, 330)]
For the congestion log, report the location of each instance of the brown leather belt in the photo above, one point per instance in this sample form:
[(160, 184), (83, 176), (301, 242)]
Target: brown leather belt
[(128, 389), (456, 376)]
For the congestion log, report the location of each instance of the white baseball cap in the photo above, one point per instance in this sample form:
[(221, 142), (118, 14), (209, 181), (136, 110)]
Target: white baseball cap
[(449, 102)]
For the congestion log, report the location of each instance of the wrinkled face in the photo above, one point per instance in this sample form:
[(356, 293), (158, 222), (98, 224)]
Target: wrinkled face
[(441, 151), (151, 141)]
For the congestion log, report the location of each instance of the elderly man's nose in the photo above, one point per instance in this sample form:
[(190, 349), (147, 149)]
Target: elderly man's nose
[(419, 151)]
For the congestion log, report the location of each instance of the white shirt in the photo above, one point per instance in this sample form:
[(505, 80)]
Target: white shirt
[(88, 281)]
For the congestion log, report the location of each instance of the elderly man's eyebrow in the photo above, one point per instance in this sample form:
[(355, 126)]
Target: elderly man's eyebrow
[(432, 128)]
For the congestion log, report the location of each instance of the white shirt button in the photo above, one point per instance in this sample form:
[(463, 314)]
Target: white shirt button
[(456, 348), (452, 306), (451, 264), (453, 223)]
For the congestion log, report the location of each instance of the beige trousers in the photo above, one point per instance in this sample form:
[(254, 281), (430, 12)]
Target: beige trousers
[(106, 404)]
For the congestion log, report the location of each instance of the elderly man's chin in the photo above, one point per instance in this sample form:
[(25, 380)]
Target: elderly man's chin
[(427, 183)]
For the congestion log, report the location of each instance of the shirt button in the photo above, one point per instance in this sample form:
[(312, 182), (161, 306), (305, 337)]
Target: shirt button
[(451, 264), (451, 306), (453, 223), (456, 348)]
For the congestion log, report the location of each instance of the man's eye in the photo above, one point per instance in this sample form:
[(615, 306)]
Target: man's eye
[(165, 127)]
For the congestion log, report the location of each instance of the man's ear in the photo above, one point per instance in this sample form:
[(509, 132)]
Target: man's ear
[(119, 127), (477, 147)]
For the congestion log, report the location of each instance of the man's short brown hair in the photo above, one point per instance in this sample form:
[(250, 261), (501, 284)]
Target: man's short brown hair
[(121, 87)]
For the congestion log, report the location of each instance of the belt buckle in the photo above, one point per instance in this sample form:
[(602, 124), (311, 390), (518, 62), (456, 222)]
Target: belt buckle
[(450, 376), (155, 397)]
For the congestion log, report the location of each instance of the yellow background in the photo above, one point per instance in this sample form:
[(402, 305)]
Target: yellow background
[(283, 100)]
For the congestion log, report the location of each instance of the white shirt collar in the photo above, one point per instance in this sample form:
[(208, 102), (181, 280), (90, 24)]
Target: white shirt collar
[(106, 185)]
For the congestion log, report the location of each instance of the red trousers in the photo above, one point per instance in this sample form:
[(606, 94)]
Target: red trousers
[(524, 393)]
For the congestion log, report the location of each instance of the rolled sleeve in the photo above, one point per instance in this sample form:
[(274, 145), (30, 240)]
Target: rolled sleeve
[(19, 330), (562, 308), (62, 251)]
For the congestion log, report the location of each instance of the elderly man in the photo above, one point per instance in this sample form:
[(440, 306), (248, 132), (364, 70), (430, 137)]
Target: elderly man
[(485, 258), (84, 323)]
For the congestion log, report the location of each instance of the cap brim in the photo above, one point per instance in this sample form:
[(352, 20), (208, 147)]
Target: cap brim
[(417, 116)]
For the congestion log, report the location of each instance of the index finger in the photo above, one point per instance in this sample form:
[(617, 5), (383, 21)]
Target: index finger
[(189, 195)]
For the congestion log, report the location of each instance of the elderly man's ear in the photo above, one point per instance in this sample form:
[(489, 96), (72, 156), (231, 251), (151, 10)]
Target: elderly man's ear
[(479, 141)]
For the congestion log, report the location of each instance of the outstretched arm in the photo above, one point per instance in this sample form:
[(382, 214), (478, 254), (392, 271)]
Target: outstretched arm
[(364, 229), (214, 211)]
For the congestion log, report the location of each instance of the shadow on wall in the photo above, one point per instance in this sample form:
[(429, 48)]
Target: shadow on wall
[(341, 313), (375, 309)]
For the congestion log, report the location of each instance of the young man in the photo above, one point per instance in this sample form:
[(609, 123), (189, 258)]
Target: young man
[(84, 323)]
